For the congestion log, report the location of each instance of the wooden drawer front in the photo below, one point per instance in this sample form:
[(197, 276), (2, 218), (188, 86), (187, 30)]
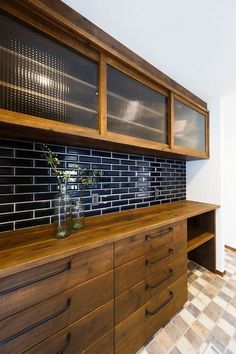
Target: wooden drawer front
[(135, 297), (164, 307), (136, 246), (25, 289), (132, 333), (80, 335), (25, 329), (137, 270)]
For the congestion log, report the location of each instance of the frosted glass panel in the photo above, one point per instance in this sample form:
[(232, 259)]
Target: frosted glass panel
[(134, 109), (42, 78), (189, 127)]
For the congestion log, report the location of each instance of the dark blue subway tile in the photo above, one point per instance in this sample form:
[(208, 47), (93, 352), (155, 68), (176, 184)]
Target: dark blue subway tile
[(6, 152), (127, 162), (6, 171), (101, 167), (120, 179), (14, 198), (54, 148), (16, 216), (127, 173), (6, 190), (135, 157), (6, 208), (110, 210), (32, 206), (119, 156), (16, 180), (110, 161), (32, 188), (33, 222), (29, 154), (46, 212), (90, 159), (120, 202), (92, 213), (127, 207), (32, 171), (120, 191), (15, 162), (101, 153), (44, 196), (6, 227), (78, 151)]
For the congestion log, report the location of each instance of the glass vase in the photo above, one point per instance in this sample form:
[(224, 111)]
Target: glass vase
[(62, 213), (77, 214)]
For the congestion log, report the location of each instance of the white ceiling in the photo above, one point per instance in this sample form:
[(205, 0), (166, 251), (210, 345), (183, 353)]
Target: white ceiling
[(192, 41)]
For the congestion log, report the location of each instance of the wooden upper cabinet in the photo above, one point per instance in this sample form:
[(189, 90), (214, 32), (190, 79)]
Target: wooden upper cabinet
[(63, 78), (135, 109), (42, 78), (190, 131)]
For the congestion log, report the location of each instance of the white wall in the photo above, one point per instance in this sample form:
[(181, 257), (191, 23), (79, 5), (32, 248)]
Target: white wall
[(229, 169), (204, 178)]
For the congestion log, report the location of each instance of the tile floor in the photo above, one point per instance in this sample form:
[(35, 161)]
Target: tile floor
[(207, 322)]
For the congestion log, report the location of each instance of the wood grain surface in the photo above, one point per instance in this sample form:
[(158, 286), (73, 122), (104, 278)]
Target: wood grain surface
[(26, 248)]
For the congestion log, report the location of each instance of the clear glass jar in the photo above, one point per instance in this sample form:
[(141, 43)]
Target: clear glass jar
[(62, 213), (78, 218)]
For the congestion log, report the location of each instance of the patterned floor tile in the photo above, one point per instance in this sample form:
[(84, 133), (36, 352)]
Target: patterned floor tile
[(207, 322)]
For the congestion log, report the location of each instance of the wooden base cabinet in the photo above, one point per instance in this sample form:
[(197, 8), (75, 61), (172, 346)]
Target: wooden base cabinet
[(109, 297), (149, 288)]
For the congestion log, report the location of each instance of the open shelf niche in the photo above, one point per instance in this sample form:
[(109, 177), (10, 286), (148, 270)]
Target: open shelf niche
[(201, 240)]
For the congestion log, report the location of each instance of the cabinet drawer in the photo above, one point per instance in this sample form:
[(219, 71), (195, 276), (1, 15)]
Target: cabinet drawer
[(137, 270), (25, 329), (135, 246), (132, 333), (27, 288), (161, 309), (132, 299), (81, 335)]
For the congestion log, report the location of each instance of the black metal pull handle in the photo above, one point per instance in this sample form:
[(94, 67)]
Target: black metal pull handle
[(151, 313), (37, 324), (68, 337), (161, 233), (152, 286), (153, 261), (34, 281)]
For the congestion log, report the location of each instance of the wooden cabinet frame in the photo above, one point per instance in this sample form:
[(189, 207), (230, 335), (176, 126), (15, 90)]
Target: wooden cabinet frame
[(61, 23), (197, 108)]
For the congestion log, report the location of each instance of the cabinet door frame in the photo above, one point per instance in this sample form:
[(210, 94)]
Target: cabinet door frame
[(205, 113), (143, 80)]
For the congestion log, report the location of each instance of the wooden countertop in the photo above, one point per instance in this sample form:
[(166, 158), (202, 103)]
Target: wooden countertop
[(31, 247)]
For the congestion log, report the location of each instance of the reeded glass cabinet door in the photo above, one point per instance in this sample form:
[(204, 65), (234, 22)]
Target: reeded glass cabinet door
[(42, 78), (189, 127), (134, 109)]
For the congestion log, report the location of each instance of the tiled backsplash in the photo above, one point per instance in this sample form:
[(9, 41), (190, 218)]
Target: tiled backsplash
[(28, 186)]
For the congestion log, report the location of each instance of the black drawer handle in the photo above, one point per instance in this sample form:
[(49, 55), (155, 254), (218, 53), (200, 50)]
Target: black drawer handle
[(151, 313), (162, 232), (34, 281), (153, 261), (152, 286), (68, 337), (37, 324)]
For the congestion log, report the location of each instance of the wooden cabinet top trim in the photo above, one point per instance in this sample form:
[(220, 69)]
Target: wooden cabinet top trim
[(26, 248)]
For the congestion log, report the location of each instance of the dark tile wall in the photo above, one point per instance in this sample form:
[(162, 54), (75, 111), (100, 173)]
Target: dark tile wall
[(28, 186)]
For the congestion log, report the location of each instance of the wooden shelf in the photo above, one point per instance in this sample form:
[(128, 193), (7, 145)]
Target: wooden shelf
[(145, 108), (197, 237), (137, 125)]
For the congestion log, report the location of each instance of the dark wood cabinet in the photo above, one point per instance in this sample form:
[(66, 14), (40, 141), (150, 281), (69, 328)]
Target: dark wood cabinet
[(56, 83), (105, 289)]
